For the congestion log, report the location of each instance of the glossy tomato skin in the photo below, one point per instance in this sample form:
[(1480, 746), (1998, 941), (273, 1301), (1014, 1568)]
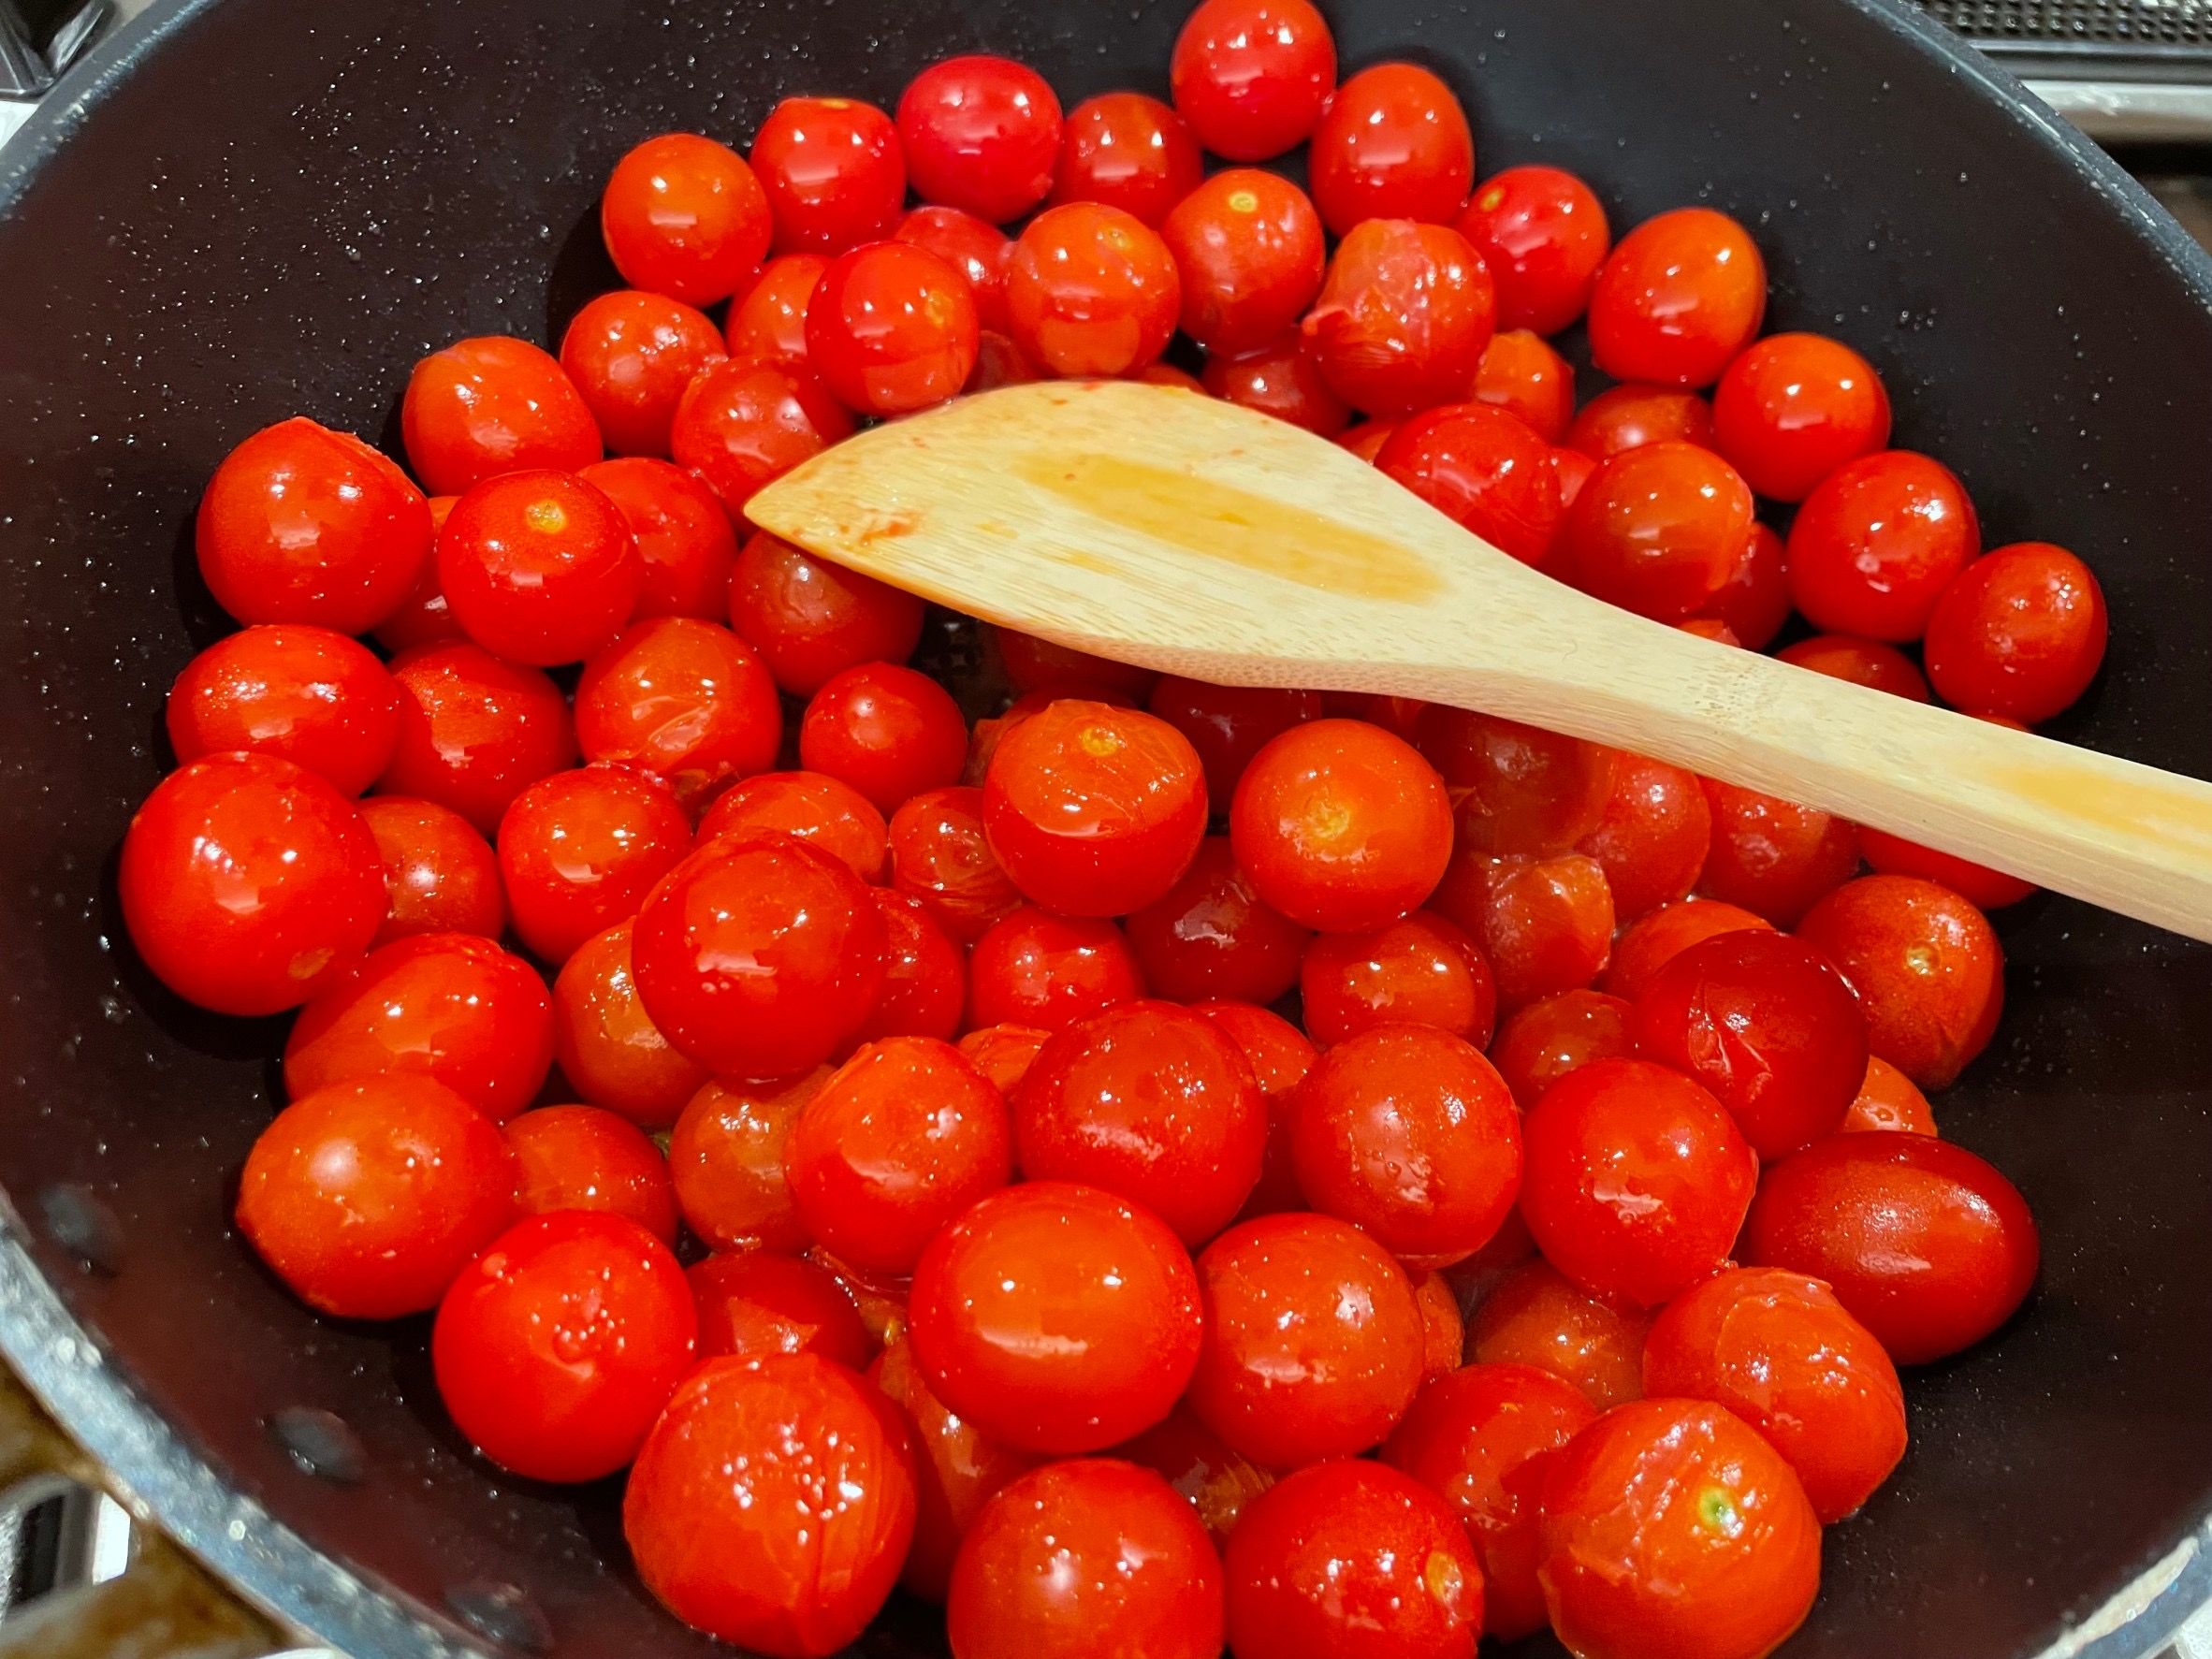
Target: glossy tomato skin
[(488, 405), (940, 856), (2019, 632), (1984, 888), (1057, 1319), (1632, 415), (1888, 1100), (1546, 1040), (755, 1303), (299, 692), (1486, 468), (1544, 924), (1280, 1056), (1089, 1556), (1657, 530), (1038, 665), (741, 423), (303, 524), (475, 732), (1779, 1351), (767, 320), (811, 806), (1314, 1344), (1862, 662), (1480, 1437), (1402, 318), (1656, 938), (1003, 1054), (759, 955), (1515, 787), (1543, 234), (538, 567), (1651, 836), (981, 133), (891, 328), (1754, 602), (1252, 77), (1795, 407), (889, 732), (1771, 856), (1767, 1023), (1424, 971), (423, 616), (684, 540), (1408, 1133), (1635, 1179), (726, 1158), (1394, 143), (1032, 967), (743, 1446), (629, 354), (1130, 152), (1522, 375), (1197, 1463), (440, 876), (1281, 379), (1876, 543), (368, 1196), (810, 619), (1341, 827), (1539, 1318), (1151, 1102), (1672, 1527), (249, 884), (583, 1157), (1091, 291), (1675, 301), (556, 1349), (1928, 971), (834, 172), (976, 249), (1348, 1558), (1228, 725), (579, 851), (607, 1046), (683, 216), (684, 700)]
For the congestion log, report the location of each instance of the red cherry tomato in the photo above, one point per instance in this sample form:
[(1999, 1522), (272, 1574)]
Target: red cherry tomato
[(1035, 665), (1635, 1179), (1927, 967), (1444, 1328), (1544, 924), (684, 700), (767, 323), (1004, 1053), (1394, 143), (1862, 662), (810, 619), (579, 851), (629, 354), (889, 732), (1676, 300), (1887, 1099), (489, 405), (300, 693), (475, 732), (1486, 468), (1481, 1438), (1547, 1040), (1522, 375), (754, 1304), (1543, 234), (1655, 937), (1630, 416), (1211, 936), (1402, 317), (422, 618), (1672, 1527), (1313, 1344), (744, 1448), (810, 805), (1279, 379), (1984, 888), (1877, 541), (1091, 290), (740, 424), (1771, 857), (981, 133), (1754, 602), (1351, 1558), (1228, 725), (538, 567), (1280, 1056), (925, 974), (1367, 438), (1127, 152), (1057, 1318), (956, 1469), (1421, 971), (726, 1158), (979, 251), (683, 537), (439, 874), (891, 328), (1535, 1317), (685, 217), (249, 884), (834, 173), (1032, 967), (1657, 530), (1927, 1246), (940, 854), (1652, 836), (2018, 632), (1218, 1483), (303, 524), (1250, 250), (1794, 408), (607, 1046), (1252, 77)]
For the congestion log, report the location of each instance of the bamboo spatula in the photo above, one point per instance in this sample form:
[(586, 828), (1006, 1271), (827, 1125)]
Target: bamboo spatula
[(1158, 526)]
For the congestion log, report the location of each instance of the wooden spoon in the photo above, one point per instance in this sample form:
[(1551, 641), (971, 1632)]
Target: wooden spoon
[(1158, 527)]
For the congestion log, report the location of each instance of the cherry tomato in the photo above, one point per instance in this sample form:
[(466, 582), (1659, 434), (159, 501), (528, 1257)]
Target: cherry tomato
[(1655, 937), (1543, 925), (1197, 1463), (299, 692), (1313, 1340), (1003, 1054), (685, 217), (2019, 632), (579, 851), (1402, 318), (1672, 1527), (1444, 1328), (422, 618), (834, 172), (978, 251), (1091, 290), (475, 731), (1536, 1318), (1127, 152), (1392, 143), (740, 424), (1862, 662), (1676, 300), (1367, 438), (489, 405), (713, 1509), (809, 806), (1515, 787), (1887, 1099), (684, 700), (1228, 725), (1485, 469), (629, 354), (303, 524), (1211, 936), (1279, 379), (1635, 1179), (1035, 665), (999, 362), (925, 974), (1543, 234), (581, 1157), (1876, 543), (1771, 857), (940, 854), (249, 884), (1572, 470), (1347, 1559), (683, 537), (810, 619), (1423, 971), (1795, 407), (1252, 77), (767, 322), (439, 874), (891, 328), (538, 567), (1250, 250), (754, 1304), (1032, 967), (1057, 1318), (1524, 377), (726, 1158), (1481, 1438), (1624, 417), (1754, 602), (1280, 1056), (1927, 969), (1657, 530), (1984, 888), (889, 732), (1547, 1039), (759, 957), (1652, 836), (607, 1046), (1340, 826), (981, 133)]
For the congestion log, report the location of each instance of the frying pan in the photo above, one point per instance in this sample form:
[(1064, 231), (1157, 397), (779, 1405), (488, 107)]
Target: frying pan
[(244, 210)]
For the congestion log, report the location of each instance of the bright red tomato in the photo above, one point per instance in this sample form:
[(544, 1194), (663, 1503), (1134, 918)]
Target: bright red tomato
[(924, 973), (1423, 971), (1004, 1053), (579, 851), (940, 854), (1984, 888), (439, 874), (1794, 408), (2019, 632), (1211, 936), (726, 1158), (1127, 152), (1515, 787), (978, 251), (740, 424), (1657, 530), (584, 1158), (299, 692), (1629, 417), (685, 217), (1486, 468), (1228, 725), (684, 700), (1888, 1100), (629, 354), (1877, 541), (1651, 837), (1676, 299), (1547, 1040), (957, 1469), (1543, 234), (683, 537), (1250, 250), (810, 619), (1252, 77), (1655, 937), (755, 1303), (1771, 857), (834, 173), (1394, 143), (474, 731), (890, 732), (1522, 375), (538, 567), (1543, 925), (485, 406), (1862, 662), (891, 328), (1754, 602), (767, 322), (1280, 379), (1092, 290), (1280, 1057), (1402, 317), (607, 1046), (809, 806), (1536, 1317), (981, 133), (1036, 968)]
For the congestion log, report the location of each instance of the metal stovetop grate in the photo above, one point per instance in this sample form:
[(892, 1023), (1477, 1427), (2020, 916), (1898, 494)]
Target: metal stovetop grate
[(2081, 25), (2124, 69)]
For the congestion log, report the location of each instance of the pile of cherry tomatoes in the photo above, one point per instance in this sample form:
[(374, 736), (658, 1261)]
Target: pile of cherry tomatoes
[(1038, 1261)]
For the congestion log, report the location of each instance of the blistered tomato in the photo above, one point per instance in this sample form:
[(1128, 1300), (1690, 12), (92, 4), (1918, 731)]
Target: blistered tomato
[(630, 356), (475, 732), (1402, 318)]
